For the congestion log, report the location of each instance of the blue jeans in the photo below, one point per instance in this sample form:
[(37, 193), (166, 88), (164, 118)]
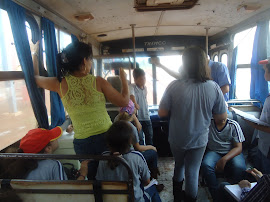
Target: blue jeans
[(93, 145), (151, 158), (235, 168), (147, 129), (153, 193), (187, 165), (262, 163)]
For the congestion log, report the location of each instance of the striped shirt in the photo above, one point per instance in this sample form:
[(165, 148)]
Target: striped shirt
[(48, 170), (221, 141)]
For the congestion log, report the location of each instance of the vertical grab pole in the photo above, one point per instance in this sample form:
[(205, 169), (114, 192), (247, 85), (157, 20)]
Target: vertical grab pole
[(133, 42), (206, 40)]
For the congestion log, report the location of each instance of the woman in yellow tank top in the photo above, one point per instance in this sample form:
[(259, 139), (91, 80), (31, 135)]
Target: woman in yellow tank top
[(83, 96)]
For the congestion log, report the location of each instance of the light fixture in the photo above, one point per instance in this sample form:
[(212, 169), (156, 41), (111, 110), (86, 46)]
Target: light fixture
[(84, 16)]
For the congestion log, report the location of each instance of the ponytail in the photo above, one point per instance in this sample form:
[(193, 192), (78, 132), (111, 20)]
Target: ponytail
[(71, 58)]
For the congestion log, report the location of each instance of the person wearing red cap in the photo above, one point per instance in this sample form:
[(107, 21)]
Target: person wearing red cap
[(40, 141), (262, 161)]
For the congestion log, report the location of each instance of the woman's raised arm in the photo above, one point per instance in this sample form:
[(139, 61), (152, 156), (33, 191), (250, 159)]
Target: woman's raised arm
[(49, 83), (118, 99)]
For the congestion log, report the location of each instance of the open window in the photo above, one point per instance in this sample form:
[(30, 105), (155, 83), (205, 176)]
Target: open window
[(17, 116)]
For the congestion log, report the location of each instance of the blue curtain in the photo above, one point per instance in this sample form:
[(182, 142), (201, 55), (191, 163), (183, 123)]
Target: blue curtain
[(233, 73), (17, 21), (258, 86), (57, 109), (74, 38)]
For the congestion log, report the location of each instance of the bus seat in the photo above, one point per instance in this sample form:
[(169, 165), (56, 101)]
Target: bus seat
[(115, 82), (62, 191)]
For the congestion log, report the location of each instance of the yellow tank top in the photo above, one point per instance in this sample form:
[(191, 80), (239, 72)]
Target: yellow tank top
[(86, 106)]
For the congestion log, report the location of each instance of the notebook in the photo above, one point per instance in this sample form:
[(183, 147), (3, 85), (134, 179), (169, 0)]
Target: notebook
[(235, 190), (249, 117)]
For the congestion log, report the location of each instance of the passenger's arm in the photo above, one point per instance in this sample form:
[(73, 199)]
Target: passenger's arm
[(142, 148), (259, 127), (163, 112), (49, 83), (156, 62), (230, 155), (137, 123), (132, 97), (83, 170), (118, 99), (225, 89)]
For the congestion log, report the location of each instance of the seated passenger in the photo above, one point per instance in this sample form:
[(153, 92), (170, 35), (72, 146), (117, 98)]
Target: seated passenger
[(39, 141), (148, 151), (119, 138), (223, 154), (259, 193)]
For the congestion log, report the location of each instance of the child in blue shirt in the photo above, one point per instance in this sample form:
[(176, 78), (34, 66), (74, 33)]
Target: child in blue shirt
[(138, 94), (119, 138)]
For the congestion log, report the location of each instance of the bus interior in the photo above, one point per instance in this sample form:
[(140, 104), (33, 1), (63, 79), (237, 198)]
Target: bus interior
[(127, 34)]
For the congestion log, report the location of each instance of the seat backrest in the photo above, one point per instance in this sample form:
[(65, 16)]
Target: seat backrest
[(115, 82), (62, 191)]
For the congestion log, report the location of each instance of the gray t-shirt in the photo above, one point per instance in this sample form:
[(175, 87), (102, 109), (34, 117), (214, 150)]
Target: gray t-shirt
[(191, 106), (264, 138), (48, 170), (138, 166), (141, 99), (222, 141)]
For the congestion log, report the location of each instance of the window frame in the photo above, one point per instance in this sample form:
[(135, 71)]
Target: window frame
[(19, 75)]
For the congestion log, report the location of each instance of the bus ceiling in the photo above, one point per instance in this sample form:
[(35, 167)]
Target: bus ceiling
[(111, 19)]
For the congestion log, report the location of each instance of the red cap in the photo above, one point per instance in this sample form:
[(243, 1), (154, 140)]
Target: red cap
[(264, 62), (35, 140)]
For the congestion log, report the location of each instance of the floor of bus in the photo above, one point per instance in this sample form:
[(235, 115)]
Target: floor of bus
[(166, 166)]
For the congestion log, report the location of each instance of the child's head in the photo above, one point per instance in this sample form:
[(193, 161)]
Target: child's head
[(119, 137), (139, 77), (266, 67), (41, 140), (126, 113)]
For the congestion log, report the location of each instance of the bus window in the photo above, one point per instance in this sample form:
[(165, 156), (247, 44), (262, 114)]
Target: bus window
[(224, 58), (174, 62), (244, 41), (65, 39), (216, 58), (17, 116)]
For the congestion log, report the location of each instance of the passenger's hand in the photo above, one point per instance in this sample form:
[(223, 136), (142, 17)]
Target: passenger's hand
[(155, 61), (123, 75), (244, 183), (84, 167), (34, 47), (70, 128), (154, 148), (137, 106), (220, 165), (138, 126), (257, 174)]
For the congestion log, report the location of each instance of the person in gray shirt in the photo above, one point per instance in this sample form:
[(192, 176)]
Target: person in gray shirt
[(119, 138), (190, 102), (223, 154)]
